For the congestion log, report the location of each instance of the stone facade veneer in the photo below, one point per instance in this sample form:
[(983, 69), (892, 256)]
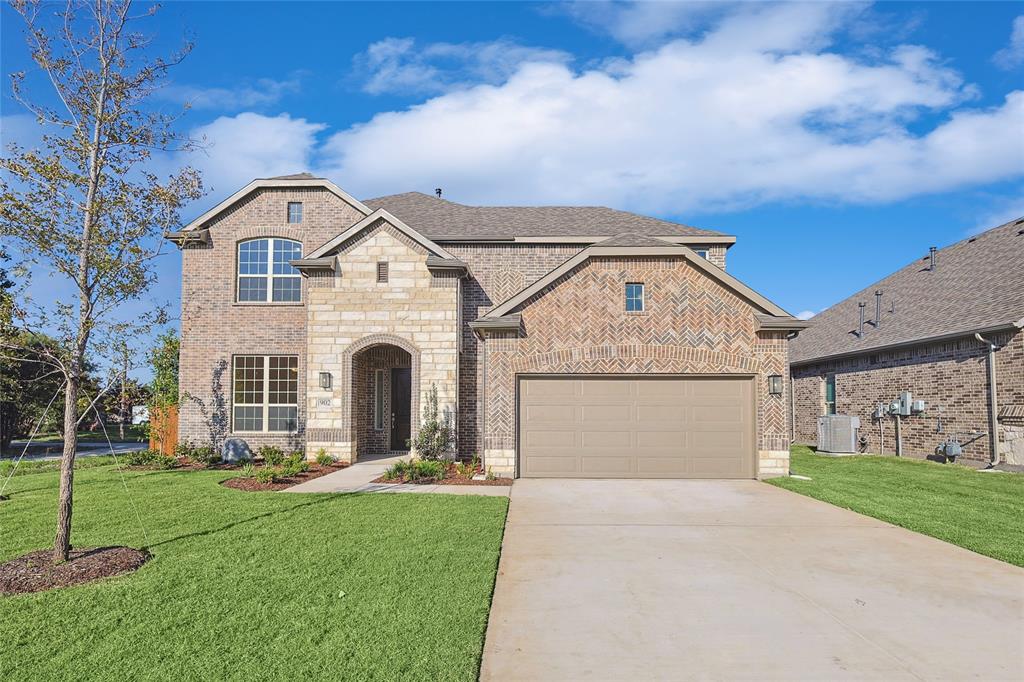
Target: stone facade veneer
[(415, 310)]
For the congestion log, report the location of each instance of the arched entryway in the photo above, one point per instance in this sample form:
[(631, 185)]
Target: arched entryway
[(385, 396)]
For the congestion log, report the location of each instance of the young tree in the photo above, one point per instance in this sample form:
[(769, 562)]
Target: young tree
[(86, 203)]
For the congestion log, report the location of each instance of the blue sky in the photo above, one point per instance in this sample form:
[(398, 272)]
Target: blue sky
[(836, 141)]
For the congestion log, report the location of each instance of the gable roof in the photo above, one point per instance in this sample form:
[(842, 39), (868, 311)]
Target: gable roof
[(977, 285), (444, 220), (508, 306), (380, 214), (294, 180)]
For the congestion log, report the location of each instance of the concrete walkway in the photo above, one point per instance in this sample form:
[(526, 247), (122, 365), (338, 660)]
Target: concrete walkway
[(725, 580), (359, 478)]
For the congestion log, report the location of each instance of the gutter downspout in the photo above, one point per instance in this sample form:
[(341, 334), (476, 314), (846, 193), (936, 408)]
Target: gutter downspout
[(993, 408)]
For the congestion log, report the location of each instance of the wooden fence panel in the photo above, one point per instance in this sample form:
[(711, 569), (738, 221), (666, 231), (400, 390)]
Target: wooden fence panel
[(163, 429)]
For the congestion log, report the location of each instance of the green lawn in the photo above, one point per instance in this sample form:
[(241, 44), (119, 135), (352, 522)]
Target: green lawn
[(132, 432), (254, 585), (983, 512)]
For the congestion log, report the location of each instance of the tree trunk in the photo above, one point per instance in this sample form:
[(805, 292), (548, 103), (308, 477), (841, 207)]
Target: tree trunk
[(62, 543)]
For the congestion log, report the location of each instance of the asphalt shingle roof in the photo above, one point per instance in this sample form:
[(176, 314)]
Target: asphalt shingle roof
[(978, 283), (441, 219)]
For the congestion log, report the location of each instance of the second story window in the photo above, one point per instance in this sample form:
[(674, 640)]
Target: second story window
[(634, 297), (703, 253), (264, 274), (294, 212)]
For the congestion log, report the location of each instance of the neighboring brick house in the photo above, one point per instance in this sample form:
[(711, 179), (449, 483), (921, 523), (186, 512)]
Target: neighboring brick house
[(563, 341), (925, 342)]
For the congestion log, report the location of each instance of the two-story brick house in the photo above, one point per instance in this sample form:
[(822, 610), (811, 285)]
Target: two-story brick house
[(563, 341)]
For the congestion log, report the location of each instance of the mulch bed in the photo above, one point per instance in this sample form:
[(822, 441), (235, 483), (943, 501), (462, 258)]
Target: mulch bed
[(252, 485), (447, 481), (36, 572)]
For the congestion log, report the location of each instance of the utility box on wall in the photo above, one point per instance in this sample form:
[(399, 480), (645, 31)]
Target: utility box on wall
[(837, 433)]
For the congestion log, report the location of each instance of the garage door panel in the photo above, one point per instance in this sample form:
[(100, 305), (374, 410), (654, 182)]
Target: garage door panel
[(606, 439), (646, 427), (660, 414), (606, 413), (614, 466)]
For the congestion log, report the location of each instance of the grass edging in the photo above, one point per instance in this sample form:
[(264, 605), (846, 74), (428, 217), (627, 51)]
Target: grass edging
[(980, 512)]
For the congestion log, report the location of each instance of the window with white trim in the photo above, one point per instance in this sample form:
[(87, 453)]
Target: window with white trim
[(264, 273), (378, 399), (634, 297), (265, 392)]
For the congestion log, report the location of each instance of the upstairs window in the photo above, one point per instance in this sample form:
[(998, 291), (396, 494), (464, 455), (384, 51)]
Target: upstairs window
[(703, 253), (264, 274), (634, 297), (294, 212)]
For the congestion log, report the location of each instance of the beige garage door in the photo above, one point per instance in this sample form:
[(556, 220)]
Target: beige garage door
[(632, 427)]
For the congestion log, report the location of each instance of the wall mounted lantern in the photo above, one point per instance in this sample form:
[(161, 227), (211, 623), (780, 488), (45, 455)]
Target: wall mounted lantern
[(775, 384), (325, 380)]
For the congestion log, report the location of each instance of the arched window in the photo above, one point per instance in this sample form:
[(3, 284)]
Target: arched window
[(264, 273)]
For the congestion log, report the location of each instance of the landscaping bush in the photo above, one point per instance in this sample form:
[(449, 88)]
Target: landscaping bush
[(271, 454), (248, 470), (295, 464), (204, 455), (323, 459), (436, 435), (428, 469), (398, 470), (265, 475), (184, 449)]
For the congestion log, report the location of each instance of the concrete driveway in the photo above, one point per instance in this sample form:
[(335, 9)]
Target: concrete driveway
[(719, 580)]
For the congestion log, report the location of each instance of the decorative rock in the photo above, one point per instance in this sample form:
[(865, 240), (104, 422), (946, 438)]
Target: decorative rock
[(235, 450)]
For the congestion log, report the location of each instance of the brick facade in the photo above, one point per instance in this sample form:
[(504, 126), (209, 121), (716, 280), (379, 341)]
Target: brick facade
[(214, 327), (952, 378), (578, 325), (348, 325)]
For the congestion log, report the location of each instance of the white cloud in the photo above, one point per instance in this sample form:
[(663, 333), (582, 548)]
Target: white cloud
[(805, 314), (259, 93), (641, 23), (1012, 56), (240, 148), (398, 65), (756, 110), (1003, 211)]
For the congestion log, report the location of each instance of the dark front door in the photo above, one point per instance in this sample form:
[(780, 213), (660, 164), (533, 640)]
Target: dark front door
[(401, 397)]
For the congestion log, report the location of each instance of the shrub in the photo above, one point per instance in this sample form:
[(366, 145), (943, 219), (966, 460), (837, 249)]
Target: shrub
[(323, 459), (436, 435), (490, 474), (183, 449), (398, 470), (295, 464), (265, 474), (428, 469), (205, 455), (248, 470), (272, 455)]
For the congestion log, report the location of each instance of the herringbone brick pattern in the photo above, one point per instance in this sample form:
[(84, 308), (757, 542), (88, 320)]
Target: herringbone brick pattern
[(691, 324)]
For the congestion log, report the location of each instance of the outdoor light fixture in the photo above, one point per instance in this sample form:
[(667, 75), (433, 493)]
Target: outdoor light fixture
[(325, 379), (775, 384)]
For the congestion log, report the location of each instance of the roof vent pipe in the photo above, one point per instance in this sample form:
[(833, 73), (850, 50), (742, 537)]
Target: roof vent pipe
[(860, 331), (931, 258), (878, 309)]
